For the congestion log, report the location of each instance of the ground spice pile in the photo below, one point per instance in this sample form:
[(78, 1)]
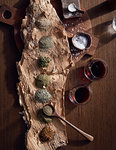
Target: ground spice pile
[(42, 80), (43, 62), (43, 23), (42, 117), (47, 134), (45, 43), (42, 96), (47, 110)]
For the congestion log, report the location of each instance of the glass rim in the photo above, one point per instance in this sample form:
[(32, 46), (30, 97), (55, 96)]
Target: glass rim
[(72, 92), (96, 60)]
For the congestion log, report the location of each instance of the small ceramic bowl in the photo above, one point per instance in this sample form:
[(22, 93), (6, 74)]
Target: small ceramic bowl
[(82, 41)]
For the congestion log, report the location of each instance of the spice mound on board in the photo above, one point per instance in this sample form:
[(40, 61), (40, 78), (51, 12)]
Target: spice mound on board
[(45, 43), (42, 96), (43, 23), (42, 80), (46, 134), (43, 118), (43, 62)]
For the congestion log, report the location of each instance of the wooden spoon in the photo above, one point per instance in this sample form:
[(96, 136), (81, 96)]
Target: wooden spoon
[(54, 114)]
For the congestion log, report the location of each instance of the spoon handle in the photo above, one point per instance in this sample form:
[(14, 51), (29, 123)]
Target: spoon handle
[(89, 137)]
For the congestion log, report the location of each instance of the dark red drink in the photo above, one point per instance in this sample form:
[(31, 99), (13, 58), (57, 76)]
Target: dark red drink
[(80, 95), (95, 69)]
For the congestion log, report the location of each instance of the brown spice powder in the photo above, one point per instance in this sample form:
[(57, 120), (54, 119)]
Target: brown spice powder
[(46, 134)]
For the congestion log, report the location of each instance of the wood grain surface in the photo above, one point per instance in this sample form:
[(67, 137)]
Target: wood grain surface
[(96, 117)]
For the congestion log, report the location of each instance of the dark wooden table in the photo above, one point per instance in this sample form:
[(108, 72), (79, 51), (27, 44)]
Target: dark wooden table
[(97, 117)]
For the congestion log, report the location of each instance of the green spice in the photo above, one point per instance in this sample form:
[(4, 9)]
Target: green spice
[(47, 119), (43, 61), (42, 117), (47, 134), (43, 23), (48, 110), (42, 96), (45, 43), (42, 80)]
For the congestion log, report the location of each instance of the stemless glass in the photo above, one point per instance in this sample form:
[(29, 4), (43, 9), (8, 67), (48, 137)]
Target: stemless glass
[(114, 24), (80, 95), (95, 69)]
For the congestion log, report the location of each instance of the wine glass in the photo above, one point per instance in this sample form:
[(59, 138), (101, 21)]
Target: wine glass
[(96, 69), (80, 94)]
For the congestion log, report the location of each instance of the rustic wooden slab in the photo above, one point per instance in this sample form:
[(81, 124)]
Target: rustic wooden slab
[(28, 70)]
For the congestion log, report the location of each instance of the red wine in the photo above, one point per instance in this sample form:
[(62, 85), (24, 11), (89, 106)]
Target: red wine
[(82, 95), (79, 95), (98, 69), (95, 69)]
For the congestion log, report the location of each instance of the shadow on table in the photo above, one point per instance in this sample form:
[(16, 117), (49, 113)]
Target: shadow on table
[(99, 10), (75, 78), (74, 143), (22, 4), (11, 55), (99, 29), (78, 142), (104, 32)]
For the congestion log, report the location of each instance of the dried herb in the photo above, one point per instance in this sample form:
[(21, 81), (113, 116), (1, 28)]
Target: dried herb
[(42, 80), (43, 61), (42, 96), (42, 117), (47, 119), (46, 134), (43, 23), (47, 110), (45, 43)]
